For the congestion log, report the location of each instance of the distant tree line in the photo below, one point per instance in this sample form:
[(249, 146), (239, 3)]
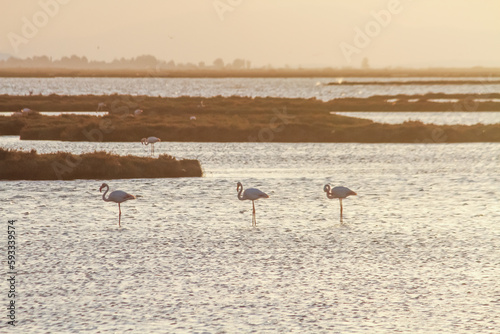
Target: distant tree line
[(140, 63), (147, 65)]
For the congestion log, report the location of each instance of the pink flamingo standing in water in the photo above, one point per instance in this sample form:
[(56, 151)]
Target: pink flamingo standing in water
[(116, 196), (250, 194), (152, 141), (338, 192)]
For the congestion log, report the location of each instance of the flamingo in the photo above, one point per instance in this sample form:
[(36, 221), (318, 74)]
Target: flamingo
[(26, 112), (137, 112), (338, 192), (250, 194), (116, 196), (101, 106), (152, 141)]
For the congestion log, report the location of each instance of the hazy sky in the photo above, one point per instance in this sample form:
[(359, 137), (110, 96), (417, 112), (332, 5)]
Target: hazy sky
[(417, 33)]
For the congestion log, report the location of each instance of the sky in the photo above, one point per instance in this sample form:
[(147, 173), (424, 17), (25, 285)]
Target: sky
[(306, 33)]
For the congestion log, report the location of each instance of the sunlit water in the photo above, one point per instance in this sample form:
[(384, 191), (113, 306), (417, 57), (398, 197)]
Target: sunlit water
[(418, 251), (438, 118), (251, 87), (58, 113)]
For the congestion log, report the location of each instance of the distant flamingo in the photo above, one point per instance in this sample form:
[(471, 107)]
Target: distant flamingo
[(137, 112), (116, 196), (338, 192), (152, 141), (24, 112), (250, 194), (101, 106)]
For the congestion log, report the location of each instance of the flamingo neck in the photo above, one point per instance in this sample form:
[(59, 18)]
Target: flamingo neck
[(329, 194), (103, 195), (239, 193)]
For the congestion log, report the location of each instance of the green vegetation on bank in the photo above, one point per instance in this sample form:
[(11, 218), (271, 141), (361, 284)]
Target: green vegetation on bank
[(18, 165), (241, 119)]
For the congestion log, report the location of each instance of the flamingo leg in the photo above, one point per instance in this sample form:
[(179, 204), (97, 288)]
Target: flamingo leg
[(153, 148), (254, 221), (119, 215), (341, 209)]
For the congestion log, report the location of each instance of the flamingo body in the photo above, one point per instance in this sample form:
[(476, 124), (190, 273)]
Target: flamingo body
[(338, 192), (137, 112), (117, 196), (251, 194)]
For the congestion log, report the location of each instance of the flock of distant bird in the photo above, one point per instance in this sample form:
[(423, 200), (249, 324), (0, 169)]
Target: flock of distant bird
[(251, 194)]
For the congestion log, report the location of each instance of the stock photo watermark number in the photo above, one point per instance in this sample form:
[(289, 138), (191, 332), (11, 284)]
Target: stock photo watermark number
[(11, 272)]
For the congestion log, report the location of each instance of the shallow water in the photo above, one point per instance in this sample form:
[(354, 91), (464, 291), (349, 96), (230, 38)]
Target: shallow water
[(438, 118), (58, 113), (417, 252), (252, 87)]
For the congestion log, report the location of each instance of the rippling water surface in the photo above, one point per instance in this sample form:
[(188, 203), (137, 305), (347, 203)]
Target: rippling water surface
[(418, 251), (252, 87), (438, 118)]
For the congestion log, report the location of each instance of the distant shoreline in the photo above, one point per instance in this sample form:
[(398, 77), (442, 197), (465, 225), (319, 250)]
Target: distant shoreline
[(249, 73), (416, 82)]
